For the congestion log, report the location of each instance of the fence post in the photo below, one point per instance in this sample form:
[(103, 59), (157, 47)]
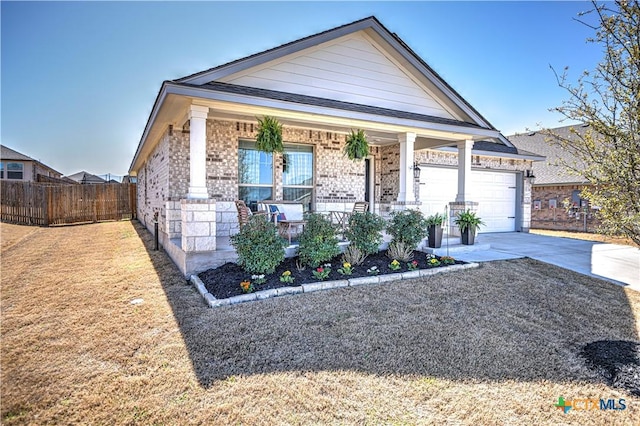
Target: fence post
[(45, 205)]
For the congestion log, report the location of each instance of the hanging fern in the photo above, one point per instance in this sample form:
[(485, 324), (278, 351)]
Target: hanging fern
[(269, 138), (357, 146)]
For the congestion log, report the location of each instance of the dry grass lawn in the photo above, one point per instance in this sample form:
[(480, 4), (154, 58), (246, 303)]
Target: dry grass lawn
[(494, 345)]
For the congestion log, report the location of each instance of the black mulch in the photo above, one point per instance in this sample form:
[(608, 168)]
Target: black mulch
[(224, 282), (618, 361)]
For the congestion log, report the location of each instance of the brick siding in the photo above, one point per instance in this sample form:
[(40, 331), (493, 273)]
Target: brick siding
[(559, 218)]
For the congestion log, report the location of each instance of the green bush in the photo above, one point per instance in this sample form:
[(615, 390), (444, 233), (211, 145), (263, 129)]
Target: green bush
[(408, 226), (318, 241), (365, 231), (259, 247)]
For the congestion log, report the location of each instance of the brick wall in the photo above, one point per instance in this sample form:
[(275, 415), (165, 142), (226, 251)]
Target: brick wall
[(389, 173), (547, 217), (153, 186), (339, 182), (338, 179)]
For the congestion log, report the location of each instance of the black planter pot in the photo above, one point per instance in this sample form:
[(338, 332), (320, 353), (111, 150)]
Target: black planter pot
[(435, 236), (468, 236)]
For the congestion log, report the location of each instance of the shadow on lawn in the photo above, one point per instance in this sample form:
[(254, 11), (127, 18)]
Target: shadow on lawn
[(522, 320)]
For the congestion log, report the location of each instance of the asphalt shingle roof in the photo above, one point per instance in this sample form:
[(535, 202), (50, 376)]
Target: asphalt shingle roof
[(85, 177), (550, 171), (323, 102)]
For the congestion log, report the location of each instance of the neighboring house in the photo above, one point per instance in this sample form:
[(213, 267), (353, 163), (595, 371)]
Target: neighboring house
[(556, 190), (85, 178), (197, 153), (19, 167)]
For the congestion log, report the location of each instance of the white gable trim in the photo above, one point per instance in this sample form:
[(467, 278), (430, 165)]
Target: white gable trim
[(352, 68), (217, 74)]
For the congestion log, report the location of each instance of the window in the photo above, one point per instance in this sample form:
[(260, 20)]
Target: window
[(255, 174), (553, 203), (537, 204), (1, 170), (15, 171), (297, 174)]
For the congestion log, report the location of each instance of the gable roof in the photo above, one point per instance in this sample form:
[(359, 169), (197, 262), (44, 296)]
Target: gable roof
[(424, 90), (7, 153), (85, 177), (550, 172), (370, 23)]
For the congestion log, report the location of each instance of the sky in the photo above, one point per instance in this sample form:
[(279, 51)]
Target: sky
[(79, 79)]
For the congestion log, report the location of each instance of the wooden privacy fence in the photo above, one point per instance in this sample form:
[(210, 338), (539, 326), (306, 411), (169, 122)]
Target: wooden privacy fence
[(44, 204)]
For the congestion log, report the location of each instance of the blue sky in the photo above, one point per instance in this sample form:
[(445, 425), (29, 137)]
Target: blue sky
[(79, 78)]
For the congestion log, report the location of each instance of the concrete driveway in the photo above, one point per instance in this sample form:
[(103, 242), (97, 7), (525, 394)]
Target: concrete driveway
[(616, 263)]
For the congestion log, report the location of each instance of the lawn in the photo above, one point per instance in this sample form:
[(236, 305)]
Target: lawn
[(494, 345)]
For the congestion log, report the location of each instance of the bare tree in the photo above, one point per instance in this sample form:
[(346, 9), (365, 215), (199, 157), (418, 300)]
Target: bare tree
[(608, 100)]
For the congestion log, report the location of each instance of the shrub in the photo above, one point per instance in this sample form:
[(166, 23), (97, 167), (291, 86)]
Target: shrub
[(318, 241), (353, 255), (365, 232), (259, 247), (400, 251), (408, 226)]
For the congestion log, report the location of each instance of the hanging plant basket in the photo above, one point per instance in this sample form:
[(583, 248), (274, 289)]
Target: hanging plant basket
[(269, 138), (357, 146)]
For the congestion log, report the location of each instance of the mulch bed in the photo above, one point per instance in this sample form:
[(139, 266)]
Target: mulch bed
[(224, 282), (617, 361)]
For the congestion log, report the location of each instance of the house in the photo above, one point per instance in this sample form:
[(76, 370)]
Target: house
[(86, 178), (556, 202), (429, 148), (16, 166)]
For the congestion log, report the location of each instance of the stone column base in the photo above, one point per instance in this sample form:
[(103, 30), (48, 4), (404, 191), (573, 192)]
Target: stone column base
[(173, 219), (456, 207), (198, 225)]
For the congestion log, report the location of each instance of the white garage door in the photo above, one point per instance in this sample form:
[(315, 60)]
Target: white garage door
[(494, 191)]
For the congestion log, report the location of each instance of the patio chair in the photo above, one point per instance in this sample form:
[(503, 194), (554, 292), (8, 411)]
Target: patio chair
[(244, 213), (342, 218)]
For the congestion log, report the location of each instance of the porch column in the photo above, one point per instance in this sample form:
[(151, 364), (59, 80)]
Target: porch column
[(406, 192), (198, 152), (464, 170)]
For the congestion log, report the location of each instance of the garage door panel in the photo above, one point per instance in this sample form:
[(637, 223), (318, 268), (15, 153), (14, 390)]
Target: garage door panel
[(494, 191)]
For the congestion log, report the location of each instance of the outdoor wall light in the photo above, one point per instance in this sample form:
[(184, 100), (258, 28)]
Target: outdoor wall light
[(416, 170), (528, 174)]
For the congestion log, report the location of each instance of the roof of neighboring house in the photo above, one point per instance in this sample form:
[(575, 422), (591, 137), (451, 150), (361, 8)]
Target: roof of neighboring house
[(7, 153), (550, 172), (85, 177)]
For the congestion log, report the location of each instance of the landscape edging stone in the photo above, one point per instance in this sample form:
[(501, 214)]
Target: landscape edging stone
[(320, 285)]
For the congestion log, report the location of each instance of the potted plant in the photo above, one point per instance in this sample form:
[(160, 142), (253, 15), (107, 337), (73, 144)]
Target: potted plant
[(468, 223), (434, 225), (269, 138), (357, 146)]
